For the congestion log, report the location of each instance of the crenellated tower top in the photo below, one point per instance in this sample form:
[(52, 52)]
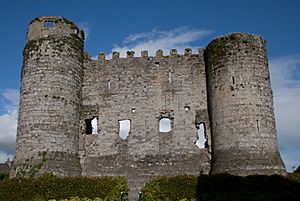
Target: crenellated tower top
[(46, 26)]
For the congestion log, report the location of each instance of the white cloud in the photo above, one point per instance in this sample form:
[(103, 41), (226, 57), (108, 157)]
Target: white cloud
[(179, 38), (8, 123), (291, 158), (4, 156), (285, 77), (12, 95)]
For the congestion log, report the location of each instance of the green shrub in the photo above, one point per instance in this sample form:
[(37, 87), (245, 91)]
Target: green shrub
[(251, 188), (294, 176), (3, 176), (170, 188), (78, 199), (222, 188), (51, 187)]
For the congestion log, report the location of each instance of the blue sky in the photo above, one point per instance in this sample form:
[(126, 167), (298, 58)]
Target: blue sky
[(137, 25)]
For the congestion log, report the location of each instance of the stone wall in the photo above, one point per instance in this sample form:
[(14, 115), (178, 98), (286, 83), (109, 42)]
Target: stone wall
[(241, 107), (143, 90), (50, 100)]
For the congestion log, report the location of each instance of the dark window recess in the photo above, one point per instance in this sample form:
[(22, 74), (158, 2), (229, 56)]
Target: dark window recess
[(91, 126), (233, 80), (49, 24), (88, 126)]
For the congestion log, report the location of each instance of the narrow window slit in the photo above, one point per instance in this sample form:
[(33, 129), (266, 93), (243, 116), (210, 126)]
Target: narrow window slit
[(108, 84), (233, 80), (257, 125)]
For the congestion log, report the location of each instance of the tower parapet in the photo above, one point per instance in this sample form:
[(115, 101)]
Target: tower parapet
[(49, 26), (240, 105)]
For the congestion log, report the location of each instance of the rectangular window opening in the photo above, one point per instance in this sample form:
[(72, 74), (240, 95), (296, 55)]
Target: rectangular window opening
[(91, 126), (165, 125), (49, 24), (124, 128), (201, 143)]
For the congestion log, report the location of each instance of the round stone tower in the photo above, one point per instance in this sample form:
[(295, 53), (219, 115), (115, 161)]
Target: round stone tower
[(240, 102), (52, 73)]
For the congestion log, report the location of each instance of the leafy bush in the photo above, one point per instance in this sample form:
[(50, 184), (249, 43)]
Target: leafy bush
[(294, 176), (51, 187), (170, 188), (251, 188), (3, 176), (222, 187), (79, 199)]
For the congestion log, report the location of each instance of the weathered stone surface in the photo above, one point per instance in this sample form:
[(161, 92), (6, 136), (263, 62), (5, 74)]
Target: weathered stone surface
[(49, 113), (241, 107), (225, 86)]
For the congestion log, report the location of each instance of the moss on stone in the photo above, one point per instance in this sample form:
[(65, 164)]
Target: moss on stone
[(88, 110), (58, 44)]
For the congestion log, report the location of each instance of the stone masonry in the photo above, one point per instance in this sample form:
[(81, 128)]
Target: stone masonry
[(225, 87)]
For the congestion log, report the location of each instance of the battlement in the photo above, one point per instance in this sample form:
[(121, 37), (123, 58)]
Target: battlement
[(158, 55), (46, 26), (237, 36)]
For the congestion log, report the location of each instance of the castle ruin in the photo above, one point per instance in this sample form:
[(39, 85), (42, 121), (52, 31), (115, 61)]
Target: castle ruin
[(65, 95)]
